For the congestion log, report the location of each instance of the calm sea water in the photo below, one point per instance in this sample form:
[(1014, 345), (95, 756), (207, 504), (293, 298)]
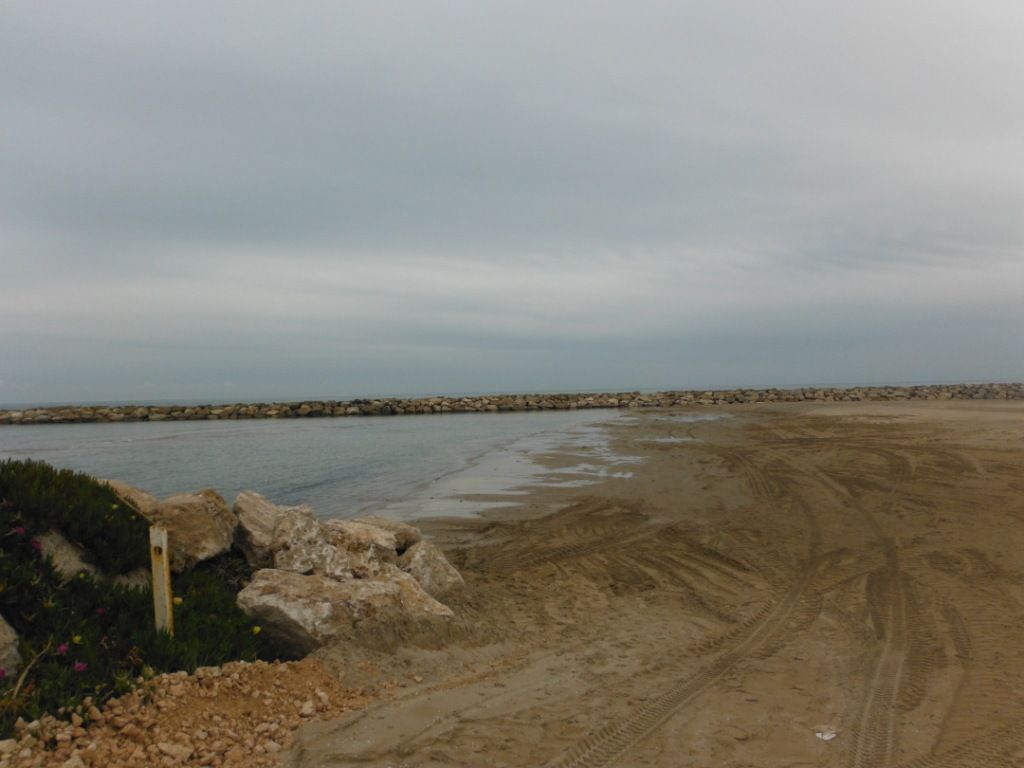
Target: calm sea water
[(339, 466)]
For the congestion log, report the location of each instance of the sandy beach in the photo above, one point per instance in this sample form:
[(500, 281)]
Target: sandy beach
[(791, 585)]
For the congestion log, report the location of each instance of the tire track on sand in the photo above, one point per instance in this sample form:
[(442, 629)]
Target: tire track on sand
[(998, 748), (603, 747), (874, 732)]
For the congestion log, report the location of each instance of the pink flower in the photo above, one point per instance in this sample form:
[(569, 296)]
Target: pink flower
[(62, 649), (80, 666), (19, 530), (101, 611), (37, 545), (3, 673)]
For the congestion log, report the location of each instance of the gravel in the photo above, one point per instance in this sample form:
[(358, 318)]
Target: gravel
[(241, 714)]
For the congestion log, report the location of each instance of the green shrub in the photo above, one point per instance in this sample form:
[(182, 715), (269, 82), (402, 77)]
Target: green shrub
[(87, 636), (89, 513)]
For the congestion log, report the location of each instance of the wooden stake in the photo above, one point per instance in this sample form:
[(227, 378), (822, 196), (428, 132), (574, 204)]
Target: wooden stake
[(160, 557)]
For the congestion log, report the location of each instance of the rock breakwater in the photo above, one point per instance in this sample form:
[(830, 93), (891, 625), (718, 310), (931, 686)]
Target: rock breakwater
[(502, 403)]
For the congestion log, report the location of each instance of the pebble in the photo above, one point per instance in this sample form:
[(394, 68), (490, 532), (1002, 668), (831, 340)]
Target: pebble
[(124, 734)]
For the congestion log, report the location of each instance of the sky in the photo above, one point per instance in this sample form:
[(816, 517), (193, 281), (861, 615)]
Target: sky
[(265, 200)]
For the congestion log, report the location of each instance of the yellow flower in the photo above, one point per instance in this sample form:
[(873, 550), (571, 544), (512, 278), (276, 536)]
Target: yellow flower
[(178, 601), (77, 639), (113, 506), (256, 630)]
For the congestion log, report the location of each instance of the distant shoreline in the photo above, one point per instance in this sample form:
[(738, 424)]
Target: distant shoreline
[(396, 406)]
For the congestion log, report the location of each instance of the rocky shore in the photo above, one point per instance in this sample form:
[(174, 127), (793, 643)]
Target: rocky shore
[(313, 582), (305, 583), (503, 403)]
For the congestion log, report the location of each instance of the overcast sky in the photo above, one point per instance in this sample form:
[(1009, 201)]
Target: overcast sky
[(280, 200)]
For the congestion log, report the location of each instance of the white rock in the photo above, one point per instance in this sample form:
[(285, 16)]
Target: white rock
[(68, 558), (142, 500), (199, 526), (287, 539), (355, 535), (368, 547), (263, 527), (302, 547), (305, 612), (428, 565), (415, 599), (405, 534)]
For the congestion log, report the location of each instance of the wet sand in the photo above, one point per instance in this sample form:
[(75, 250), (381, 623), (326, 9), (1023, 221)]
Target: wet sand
[(759, 581)]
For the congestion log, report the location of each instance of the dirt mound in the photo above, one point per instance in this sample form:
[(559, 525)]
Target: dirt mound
[(236, 715)]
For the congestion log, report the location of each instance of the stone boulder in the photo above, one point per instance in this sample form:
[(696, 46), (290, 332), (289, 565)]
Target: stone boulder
[(368, 547), (309, 552), (415, 600), (264, 527), (356, 536), (287, 539), (428, 565), (405, 534), (68, 558), (199, 526), (10, 659), (304, 612), (141, 500)]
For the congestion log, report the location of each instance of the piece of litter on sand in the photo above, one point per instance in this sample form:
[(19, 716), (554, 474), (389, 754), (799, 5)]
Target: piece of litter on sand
[(826, 732)]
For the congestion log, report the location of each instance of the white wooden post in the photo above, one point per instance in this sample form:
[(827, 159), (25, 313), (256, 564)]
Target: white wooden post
[(160, 557)]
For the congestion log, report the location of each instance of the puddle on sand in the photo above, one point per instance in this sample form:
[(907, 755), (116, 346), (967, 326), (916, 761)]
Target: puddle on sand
[(505, 475), (683, 418), (689, 418)]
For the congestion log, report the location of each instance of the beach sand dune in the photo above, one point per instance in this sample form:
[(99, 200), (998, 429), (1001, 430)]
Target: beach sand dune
[(818, 585)]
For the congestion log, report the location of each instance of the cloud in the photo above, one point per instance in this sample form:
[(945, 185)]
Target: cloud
[(553, 188)]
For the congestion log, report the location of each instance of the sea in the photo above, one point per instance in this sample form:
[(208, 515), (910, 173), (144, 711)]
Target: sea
[(406, 466)]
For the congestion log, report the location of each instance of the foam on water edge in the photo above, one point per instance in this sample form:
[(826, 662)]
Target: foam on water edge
[(500, 478)]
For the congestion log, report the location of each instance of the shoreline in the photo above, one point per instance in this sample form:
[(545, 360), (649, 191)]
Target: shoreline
[(340, 467), (71, 414), (502, 476)]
